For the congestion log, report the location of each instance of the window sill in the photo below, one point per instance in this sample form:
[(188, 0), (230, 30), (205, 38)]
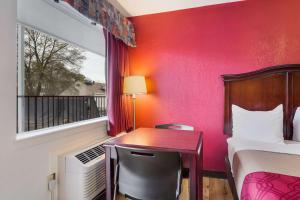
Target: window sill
[(53, 130)]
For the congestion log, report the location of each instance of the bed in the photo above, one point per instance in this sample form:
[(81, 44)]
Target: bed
[(262, 170)]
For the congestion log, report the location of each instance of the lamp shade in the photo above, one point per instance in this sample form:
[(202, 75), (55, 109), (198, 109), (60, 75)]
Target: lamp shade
[(135, 85)]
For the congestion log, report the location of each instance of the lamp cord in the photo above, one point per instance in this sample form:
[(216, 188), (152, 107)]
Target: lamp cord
[(52, 195)]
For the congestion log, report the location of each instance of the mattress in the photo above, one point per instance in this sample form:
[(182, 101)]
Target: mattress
[(249, 157)]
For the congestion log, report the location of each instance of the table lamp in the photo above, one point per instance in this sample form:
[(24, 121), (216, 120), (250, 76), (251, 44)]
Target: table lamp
[(134, 85)]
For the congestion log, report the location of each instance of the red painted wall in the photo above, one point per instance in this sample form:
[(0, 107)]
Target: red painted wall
[(183, 53)]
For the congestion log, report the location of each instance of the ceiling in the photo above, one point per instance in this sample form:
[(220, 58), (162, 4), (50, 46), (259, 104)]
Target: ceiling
[(144, 7)]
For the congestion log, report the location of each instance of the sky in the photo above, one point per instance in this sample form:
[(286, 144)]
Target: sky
[(94, 67)]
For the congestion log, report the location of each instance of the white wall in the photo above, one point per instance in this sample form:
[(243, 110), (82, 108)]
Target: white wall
[(24, 165), (62, 21)]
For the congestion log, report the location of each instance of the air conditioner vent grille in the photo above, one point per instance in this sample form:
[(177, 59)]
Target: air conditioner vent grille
[(90, 154)]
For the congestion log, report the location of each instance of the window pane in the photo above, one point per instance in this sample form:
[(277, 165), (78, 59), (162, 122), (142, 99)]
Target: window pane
[(62, 83)]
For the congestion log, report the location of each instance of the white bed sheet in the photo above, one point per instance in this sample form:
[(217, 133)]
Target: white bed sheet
[(236, 144)]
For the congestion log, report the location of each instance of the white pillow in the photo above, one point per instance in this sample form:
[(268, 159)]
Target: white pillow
[(264, 126), (296, 125)]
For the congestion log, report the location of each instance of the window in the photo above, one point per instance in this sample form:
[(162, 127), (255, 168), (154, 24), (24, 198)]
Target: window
[(58, 82)]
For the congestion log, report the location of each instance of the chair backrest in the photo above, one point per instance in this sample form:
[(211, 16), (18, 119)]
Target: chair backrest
[(148, 175), (175, 127)]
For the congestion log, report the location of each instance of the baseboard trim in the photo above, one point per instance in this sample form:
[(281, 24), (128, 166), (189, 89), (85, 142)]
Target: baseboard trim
[(214, 174)]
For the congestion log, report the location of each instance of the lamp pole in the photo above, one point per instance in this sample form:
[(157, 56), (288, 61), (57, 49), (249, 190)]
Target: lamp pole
[(133, 101), (134, 85)]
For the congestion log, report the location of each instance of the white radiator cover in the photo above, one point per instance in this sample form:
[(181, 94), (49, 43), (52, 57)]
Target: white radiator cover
[(79, 181)]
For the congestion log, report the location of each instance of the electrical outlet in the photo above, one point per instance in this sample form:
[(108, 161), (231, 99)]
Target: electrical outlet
[(51, 177), (51, 182)]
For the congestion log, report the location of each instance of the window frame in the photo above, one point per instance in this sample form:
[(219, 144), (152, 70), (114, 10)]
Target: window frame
[(20, 133)]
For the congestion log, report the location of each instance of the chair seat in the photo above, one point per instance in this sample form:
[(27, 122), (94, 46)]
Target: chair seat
[(183, 196)]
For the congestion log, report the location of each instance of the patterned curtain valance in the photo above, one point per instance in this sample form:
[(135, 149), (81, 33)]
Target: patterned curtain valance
[(108, 16)]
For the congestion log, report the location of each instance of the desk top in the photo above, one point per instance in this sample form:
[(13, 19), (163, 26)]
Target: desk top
[(156, 139)]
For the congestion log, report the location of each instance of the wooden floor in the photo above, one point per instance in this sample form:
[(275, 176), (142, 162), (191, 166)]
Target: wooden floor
[(216, 189), (213, 189)]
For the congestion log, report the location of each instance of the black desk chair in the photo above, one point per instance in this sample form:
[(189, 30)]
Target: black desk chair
[(182, 127), (175, 127), (147, 175)]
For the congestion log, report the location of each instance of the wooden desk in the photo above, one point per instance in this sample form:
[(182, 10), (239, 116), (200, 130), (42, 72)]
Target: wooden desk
[(187, 143)]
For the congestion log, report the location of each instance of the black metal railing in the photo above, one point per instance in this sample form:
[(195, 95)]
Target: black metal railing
[(37, 112)]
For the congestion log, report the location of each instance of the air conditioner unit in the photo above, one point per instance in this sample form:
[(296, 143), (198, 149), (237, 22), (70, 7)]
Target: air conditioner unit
[(81, 174)]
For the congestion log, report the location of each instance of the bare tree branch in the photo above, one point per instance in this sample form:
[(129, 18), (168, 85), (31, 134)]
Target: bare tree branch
[(51, 66)]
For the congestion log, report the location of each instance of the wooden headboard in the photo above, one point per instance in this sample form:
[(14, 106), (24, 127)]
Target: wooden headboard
[(264, 89)]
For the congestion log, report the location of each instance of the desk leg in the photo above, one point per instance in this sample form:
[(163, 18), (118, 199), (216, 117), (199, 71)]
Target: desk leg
[(200, 175), (196, 185), (193, 178), (109, 174)]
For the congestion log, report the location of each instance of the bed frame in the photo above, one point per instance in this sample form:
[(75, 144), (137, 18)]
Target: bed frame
[(263, 89)]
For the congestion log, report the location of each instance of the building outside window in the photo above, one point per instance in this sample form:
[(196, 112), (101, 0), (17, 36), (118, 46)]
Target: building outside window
[(58, 82)]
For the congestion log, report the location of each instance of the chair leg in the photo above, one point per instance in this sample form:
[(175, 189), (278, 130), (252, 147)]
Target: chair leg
[(115, 193), (127, 197), (116, 182)]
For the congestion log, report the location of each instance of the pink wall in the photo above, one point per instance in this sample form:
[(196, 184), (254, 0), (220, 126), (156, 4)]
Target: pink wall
[(183, 53)]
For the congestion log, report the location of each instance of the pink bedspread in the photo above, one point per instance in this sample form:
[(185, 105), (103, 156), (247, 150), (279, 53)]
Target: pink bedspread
[(270, 186)]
